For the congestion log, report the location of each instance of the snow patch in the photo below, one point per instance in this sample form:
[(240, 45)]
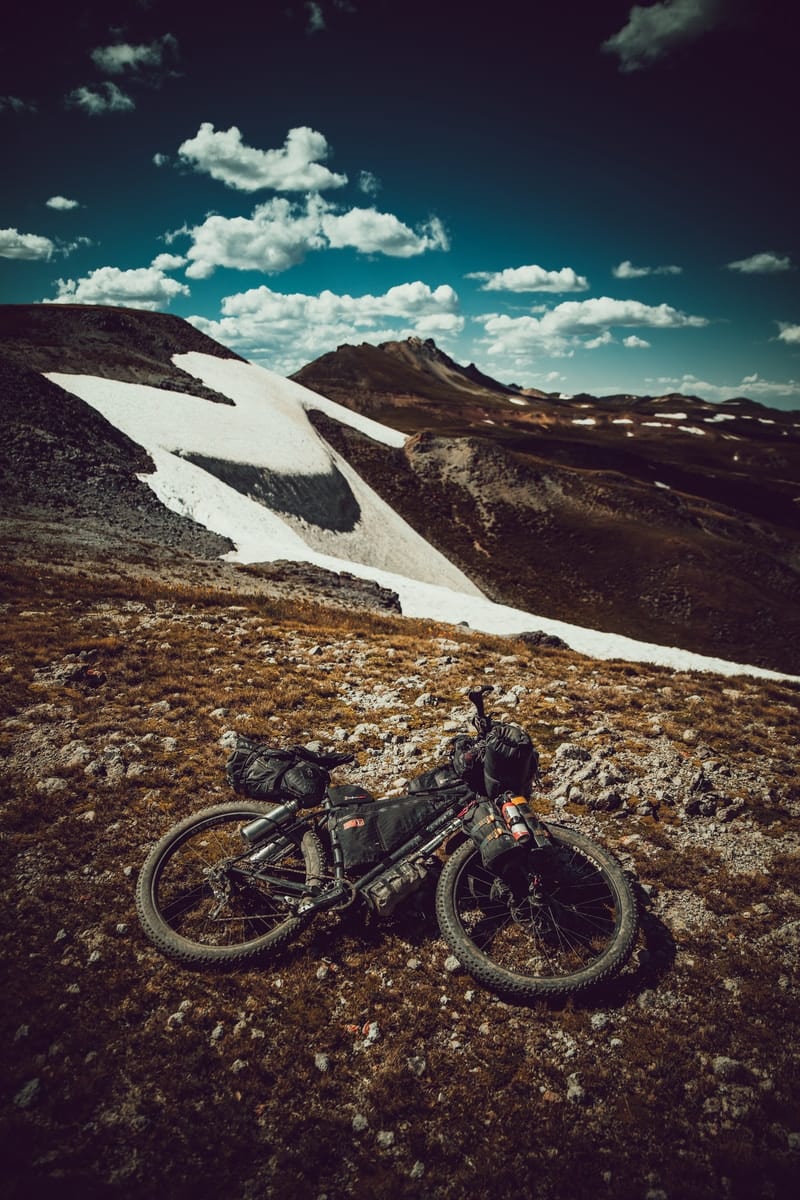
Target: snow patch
[(268, 423)]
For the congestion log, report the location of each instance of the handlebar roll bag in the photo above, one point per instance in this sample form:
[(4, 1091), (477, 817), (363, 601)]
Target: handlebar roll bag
[(263, 772), (509, 761)]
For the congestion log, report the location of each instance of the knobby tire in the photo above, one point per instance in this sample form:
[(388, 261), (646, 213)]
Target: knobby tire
[(199, 909), (568, 923)]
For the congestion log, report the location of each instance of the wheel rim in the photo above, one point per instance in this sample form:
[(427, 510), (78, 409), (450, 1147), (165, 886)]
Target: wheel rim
[(558, 921), (206, 893)]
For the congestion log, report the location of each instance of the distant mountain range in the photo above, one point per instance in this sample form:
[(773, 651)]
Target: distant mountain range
[(668, 519)]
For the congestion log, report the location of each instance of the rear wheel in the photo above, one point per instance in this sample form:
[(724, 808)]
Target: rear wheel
[(565, 919), (201, 897)]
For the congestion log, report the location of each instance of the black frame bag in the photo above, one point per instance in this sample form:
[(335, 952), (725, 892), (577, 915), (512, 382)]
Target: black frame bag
[(370, 830)]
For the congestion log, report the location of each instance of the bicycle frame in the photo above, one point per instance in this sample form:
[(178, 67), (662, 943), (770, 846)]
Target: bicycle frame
[(426, 841)]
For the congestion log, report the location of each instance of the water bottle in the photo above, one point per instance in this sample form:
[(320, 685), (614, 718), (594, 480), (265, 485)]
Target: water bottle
[(514, 819)]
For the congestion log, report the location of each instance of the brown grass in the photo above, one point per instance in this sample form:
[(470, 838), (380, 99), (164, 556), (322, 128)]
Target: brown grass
[(133, 1101)]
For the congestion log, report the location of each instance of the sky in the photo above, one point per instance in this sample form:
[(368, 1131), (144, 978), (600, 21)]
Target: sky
[(280, 437), (575, 196)]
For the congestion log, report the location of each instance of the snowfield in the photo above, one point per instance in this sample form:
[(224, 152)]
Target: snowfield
[(268, 427)]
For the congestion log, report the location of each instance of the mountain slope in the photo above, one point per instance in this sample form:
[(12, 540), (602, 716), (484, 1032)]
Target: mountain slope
[(667, 518), (167, 448)]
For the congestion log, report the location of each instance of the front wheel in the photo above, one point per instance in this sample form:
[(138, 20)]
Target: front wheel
[(563, 919), (203, 897)]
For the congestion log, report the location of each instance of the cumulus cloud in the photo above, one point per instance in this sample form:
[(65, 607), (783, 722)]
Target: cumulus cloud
[(123, 57), (602, 339), (61, 203), (168, 262), (626, 270), (654, 31), (32, 246), (280, 233), (286, 331), (789, 333), (277, 236), (373, 232), (104, 98), (141, 287), (766, 263), (297, 166), (531, 279), (635, 343), (563, 329)]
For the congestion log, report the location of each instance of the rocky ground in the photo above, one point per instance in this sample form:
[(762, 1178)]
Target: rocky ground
[(363, 1060)]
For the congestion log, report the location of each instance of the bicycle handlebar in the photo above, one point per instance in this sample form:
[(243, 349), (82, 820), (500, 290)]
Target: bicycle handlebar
[(483, 723)]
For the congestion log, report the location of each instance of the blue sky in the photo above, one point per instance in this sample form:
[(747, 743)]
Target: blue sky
[(590, 197)]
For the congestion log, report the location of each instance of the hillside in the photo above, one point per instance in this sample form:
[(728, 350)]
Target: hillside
[(664, 519), (361, 1061), (669, 518)]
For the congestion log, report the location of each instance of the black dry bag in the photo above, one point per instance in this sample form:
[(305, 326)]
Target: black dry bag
[(509, 761)]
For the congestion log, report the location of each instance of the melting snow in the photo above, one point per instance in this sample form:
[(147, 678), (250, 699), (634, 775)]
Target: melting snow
[(268, 426), (622, 421), (584, 420), (673, 416), (692, 429)]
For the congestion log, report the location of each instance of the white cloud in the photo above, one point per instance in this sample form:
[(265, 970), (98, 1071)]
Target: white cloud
[(368, 183), (373, 232), (287, 331), (654, 31), (277, 236), (122, 57), (766, 263), (752, 386), (635, 343), (296, 167), (602, 339), (531, 279), (106, 97), (560, 330), (14, 104), (32, 246), (66, 248), (626, 270), (168, 262), (142, 287), (316, 17), (280, 233), (789, 333), (161, 160), (61, 203)]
